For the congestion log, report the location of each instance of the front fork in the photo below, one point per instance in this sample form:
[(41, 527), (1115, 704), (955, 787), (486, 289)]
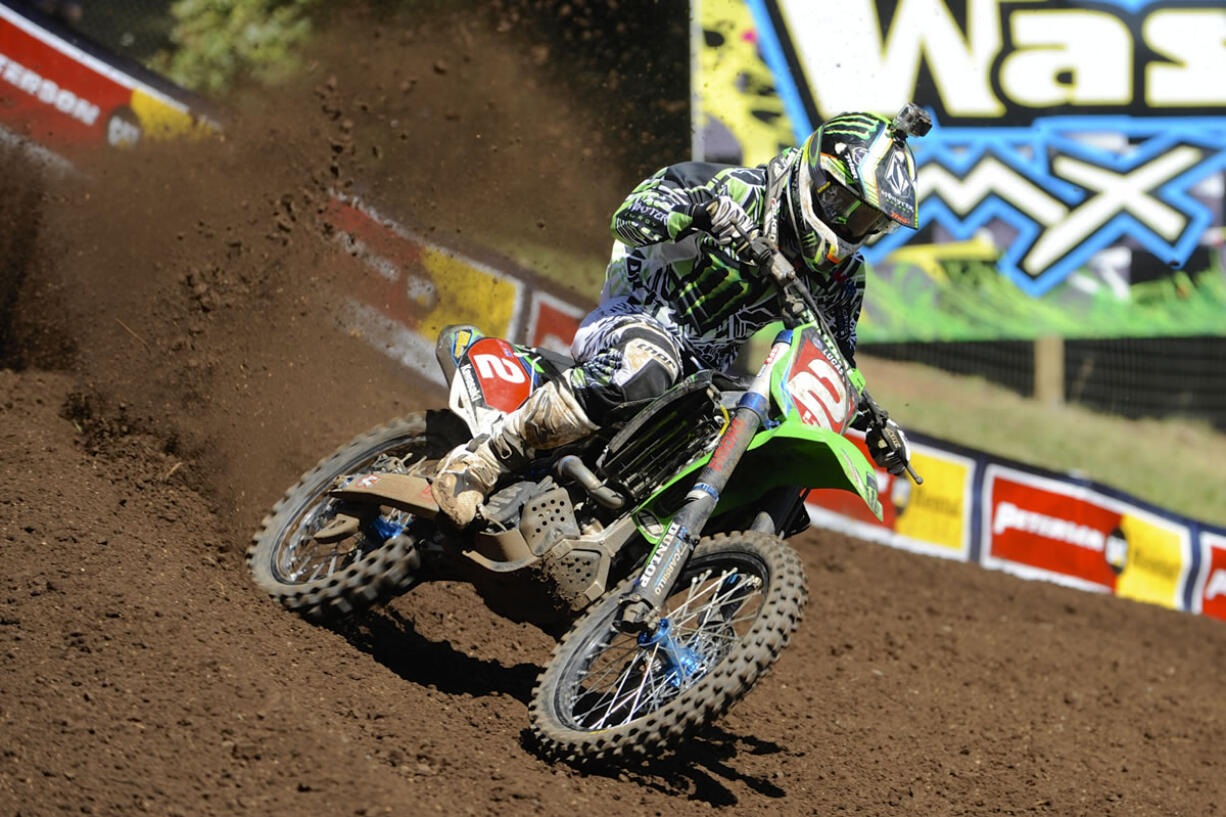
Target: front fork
[(642, 607)]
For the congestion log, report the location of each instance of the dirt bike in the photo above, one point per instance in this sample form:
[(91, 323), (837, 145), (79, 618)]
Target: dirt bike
[(660, 538)]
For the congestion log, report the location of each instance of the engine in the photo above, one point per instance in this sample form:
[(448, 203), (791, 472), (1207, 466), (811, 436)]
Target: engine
[(663, 438)]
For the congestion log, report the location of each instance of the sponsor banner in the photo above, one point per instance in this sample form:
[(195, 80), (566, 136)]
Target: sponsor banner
[(1209, 596), (553, 322), (934, 518), (419, 285), (64, 94), (414, 289), (1037, 524), (1041, 527), (1073, 182)]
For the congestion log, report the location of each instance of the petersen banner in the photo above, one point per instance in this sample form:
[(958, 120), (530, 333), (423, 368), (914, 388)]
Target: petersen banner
[(66, 94), (1038, 524)]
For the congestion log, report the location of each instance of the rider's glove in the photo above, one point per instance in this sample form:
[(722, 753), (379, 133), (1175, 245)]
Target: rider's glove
[(888, 446), (722, 218)]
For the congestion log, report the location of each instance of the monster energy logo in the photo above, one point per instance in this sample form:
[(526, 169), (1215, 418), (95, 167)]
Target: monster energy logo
[(857, 125), (714, 293)]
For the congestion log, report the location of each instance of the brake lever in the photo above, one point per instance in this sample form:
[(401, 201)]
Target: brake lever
[(878, 416), (756, 249)]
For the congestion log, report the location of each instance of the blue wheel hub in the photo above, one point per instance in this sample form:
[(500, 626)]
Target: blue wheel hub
[(385, 528), (681, 664)]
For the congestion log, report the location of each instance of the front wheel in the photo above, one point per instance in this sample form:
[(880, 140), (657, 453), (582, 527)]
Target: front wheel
[(609, 696), (324, 558)]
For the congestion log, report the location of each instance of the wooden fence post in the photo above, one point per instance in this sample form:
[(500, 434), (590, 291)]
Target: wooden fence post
[(1049, 370)]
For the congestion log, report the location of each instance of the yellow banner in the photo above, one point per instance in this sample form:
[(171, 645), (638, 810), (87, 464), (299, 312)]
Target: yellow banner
[(936, 512), (1154, 564)]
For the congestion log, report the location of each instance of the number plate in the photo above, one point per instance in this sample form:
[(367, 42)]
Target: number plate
[(819, 388)]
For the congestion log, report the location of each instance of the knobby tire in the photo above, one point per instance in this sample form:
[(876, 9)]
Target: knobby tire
[(560, 693), (380, 572)]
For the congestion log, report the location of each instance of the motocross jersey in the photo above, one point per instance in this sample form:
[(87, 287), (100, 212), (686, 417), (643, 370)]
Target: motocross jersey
[(698, 289)]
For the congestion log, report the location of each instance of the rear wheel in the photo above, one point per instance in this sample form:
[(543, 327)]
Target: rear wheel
[(322, 557), (609, 696)]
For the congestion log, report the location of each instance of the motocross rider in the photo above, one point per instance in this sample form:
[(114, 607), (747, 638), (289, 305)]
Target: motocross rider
[(677, 300)]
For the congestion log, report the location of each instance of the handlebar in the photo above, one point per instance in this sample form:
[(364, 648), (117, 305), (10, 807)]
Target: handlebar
[(754, 248), (757, 250)]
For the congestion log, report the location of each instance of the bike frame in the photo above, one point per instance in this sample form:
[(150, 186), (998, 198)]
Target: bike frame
[(799, 444), (787, 430)]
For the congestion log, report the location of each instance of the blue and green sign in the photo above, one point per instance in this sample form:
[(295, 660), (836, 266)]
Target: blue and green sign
[(1075, 174)]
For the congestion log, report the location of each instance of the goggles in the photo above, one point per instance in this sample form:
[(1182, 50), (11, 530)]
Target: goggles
[(849, 216)]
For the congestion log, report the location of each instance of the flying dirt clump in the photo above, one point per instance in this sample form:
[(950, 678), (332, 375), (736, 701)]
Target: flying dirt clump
[(197, 282)]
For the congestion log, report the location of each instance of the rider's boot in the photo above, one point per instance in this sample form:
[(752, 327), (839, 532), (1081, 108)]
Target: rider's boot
[(551, 416)]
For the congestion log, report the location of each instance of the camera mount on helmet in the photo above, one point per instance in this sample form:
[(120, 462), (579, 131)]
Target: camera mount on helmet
[(912, 120)]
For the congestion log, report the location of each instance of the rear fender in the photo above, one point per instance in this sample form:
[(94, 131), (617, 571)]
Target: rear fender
[(500, 551), (405, 492)]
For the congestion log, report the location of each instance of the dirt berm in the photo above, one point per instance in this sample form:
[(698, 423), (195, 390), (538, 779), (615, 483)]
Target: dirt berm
[(172, 364)]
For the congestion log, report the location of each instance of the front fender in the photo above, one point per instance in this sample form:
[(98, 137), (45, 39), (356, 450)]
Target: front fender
[(795, 454)]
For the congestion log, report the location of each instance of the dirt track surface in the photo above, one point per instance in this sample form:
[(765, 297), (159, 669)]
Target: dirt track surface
[(173, 365)]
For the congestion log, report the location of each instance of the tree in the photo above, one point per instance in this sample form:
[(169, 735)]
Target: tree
[(219, 40)]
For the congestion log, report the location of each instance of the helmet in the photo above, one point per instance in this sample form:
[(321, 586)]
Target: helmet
[(853, 178)]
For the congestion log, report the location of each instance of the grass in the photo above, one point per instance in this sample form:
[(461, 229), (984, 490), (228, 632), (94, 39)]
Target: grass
[(970, 300), (1174, 464)]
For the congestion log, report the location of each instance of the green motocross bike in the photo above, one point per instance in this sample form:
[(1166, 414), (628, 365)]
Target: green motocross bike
[(660, 540)]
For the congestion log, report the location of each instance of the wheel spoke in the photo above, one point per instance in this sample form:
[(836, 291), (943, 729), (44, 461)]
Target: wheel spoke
[(609, 702), (722, 622), (611, 663), (709, 607), (638, 692), (625, 676), (626, 681), (691, 595), (695, 635)]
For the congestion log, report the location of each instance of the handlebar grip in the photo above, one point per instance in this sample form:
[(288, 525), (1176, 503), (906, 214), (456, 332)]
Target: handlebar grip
[(756, 249)]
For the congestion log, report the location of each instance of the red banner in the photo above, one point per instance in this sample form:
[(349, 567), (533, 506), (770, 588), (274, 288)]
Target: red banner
[(1211, 589), (62, 97), (1043, 527)]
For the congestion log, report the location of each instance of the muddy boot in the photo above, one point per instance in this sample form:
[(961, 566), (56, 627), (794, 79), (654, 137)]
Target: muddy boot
[(548, 418)]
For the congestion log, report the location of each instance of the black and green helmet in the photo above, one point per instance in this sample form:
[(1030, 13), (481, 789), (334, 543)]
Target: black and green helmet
[(853, 178)]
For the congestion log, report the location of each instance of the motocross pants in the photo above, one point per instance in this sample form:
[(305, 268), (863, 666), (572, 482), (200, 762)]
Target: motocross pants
[(623, 355)]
